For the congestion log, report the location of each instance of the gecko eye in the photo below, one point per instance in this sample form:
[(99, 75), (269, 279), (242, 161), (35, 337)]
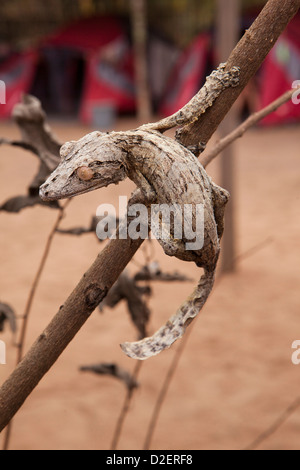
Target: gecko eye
[(85, 173)]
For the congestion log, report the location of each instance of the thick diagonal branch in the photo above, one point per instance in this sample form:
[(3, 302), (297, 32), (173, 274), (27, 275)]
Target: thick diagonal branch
[(248, 55)]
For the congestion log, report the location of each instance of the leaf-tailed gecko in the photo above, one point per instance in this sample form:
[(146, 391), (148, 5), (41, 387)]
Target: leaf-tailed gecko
[(166, 173)]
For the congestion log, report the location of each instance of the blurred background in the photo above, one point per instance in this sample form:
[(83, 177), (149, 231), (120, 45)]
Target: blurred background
[(113, 64), (78, 57)]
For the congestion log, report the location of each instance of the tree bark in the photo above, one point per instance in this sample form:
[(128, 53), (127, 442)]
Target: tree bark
[(248, 54)]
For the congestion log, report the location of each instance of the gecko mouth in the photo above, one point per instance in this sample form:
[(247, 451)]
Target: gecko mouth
[(46, 194)]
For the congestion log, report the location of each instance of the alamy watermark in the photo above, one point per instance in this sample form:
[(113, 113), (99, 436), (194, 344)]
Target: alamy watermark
[(296, 354), (296, 94), (2, 352), (167, 221), (2, 92)]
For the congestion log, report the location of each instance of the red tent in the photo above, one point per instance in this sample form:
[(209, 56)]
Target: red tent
[(187, 76), (100, 46), (88, 34), (108, 75), (279, 71), (17, 74)]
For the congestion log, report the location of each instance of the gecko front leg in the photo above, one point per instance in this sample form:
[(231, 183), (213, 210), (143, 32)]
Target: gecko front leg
[(215, 84)]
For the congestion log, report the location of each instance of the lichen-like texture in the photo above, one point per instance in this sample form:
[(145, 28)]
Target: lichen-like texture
[(165, 173)]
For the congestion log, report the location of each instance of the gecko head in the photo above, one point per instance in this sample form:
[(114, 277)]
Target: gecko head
[(90, 163)]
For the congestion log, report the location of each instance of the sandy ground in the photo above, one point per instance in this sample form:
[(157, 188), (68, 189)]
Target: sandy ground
[(235, 376)]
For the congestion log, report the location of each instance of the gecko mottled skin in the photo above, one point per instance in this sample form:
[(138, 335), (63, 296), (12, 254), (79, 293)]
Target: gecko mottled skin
[(166, 173)]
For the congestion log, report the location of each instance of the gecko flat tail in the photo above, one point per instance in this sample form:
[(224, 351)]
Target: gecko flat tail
[(150, 346), (176, 326)]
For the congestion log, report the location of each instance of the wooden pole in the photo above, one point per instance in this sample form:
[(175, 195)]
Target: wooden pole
[(139, 33), (228, 16)]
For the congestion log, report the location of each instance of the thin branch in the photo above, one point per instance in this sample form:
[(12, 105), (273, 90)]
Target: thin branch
[(37, 279), (246, 125), (254, 249), (125, 408), (94, 285), (276, 425), (129, 396), (29, 303), (21, 144), (164, 389)]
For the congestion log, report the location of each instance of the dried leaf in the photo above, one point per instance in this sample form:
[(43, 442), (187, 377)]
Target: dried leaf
[(7, 314), (16, 204), (126, 289), (39, 140), (152, 272), (91, 229), (114, 370)]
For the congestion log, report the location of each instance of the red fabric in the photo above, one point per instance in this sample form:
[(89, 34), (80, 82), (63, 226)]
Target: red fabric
[(107, 85), (187, 76), (17, 74), (280, 69), (87, 34), (108, 80)]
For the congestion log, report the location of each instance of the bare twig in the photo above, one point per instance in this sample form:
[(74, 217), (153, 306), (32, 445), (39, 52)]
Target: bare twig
[(37, 279), (274, 427), (21, 144), (246, 125), (127, 401), (92, 288), (125, 408), (91, 229), (30, 299), (164, 389)]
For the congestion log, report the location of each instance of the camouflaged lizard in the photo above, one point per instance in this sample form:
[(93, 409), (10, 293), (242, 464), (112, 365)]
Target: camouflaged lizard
[(166, 173)]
